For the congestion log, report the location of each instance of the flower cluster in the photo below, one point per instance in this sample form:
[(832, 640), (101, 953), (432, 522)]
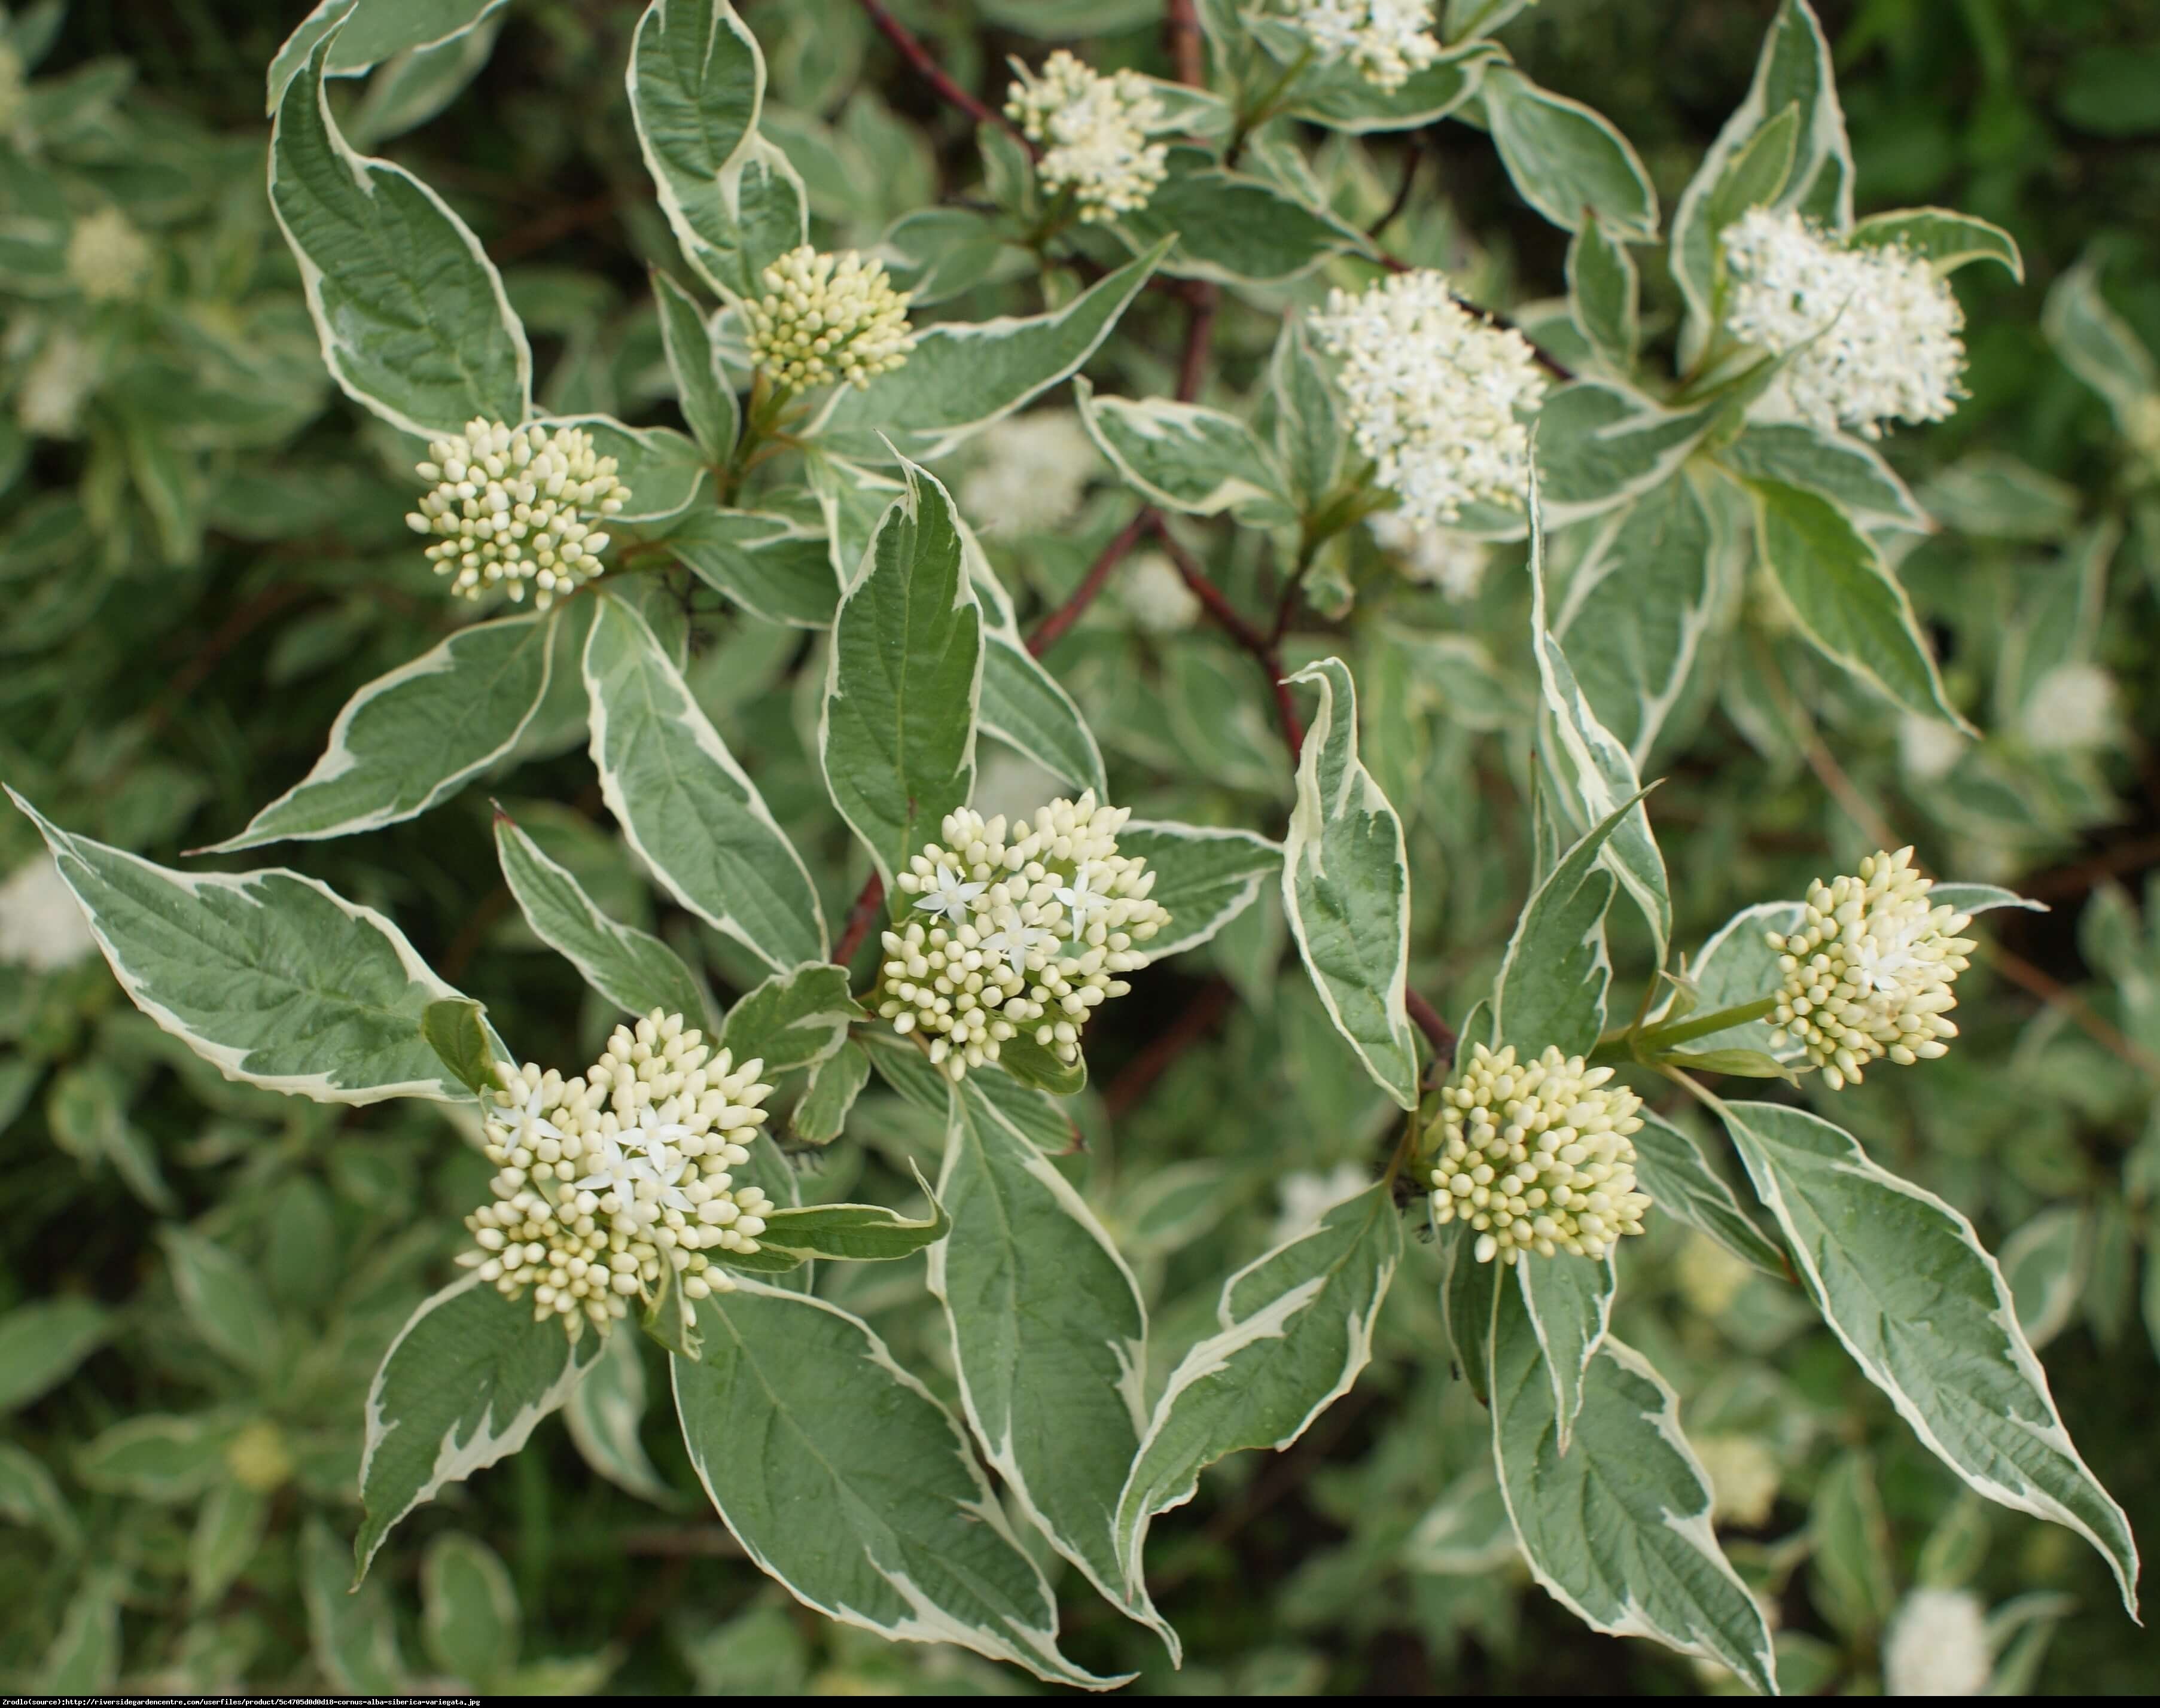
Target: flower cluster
[(1537, 1157), (107, 257), (515, 505), (1095, 132), (2072, 708), (1025, 936), (1868, 972), (1155, 593), (1033, 472), (40, 926), (1743, 1475), (1871, 333), (1434, 557), (58, 382), (1436, 396), (827, 317), (611, 1179), (1385, 39), (1938, 1645)]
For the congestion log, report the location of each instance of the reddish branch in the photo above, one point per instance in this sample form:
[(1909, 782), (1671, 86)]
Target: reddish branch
[(860, 918), (1228, 618), (1437, 1031), (934, 74), (1180, 26), (1052, 629)]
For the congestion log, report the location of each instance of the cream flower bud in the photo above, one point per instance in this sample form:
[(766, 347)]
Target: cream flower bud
[(1868, 972), (1536, 1157), (825, 318), (1436, 396), (1094, 129), (517, 505)]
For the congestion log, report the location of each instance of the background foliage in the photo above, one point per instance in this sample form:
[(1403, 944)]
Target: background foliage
[(199, 576)]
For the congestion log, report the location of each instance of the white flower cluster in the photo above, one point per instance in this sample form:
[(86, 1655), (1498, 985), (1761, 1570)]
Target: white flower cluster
[(1868, 974), (40, 926), (1095, 132), (1743, 1478), (1306, 1198), (107, 257), (607, 1177), (1385, 39), (1884, 328), (1434, 557), (1150, 588), (1033, 472), (515, 505), (56, 385), (827, 317), (1027, 935), (1537, 1157), (1928, 748), (2072, 708), (1937, 1646), (1436, 396)]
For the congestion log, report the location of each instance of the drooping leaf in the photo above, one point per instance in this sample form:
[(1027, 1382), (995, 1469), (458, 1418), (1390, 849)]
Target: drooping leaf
[(1848, 471), (684, 804), (1230, 226), (272, 977), (1565, 159), (603, 1415), (1297, 1329), (1185, 457), (911, 1543), (1671, 1168), (413, 321), (1617, 1530), (897, 738), (1049, 1335), (1205, 877), (1346, 889), (2097, 345), (1905, 1284), (795, 1019), (633, 969), (1570, 1304), (456, 1029), (466, 1381), (1944, 239), (368, 32)]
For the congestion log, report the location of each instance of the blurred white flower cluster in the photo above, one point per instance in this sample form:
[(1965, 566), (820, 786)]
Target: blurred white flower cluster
[(57, 383), (517, 505), (40, 926), (612, 1179), (1385, 39), (1436, 396), (1025, 935), (1868, 972), (1537, 1157), (1937, 1646), (1094, 131), (108, 259), (1151, 590), (2072, 708), (1433, 557), (1031, 474), (1871, 333), (827, 317), (1306, 1198)]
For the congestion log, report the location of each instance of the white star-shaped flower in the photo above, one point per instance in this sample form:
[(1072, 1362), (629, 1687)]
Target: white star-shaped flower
[(949, 896), (614, 1169), (1079, 901), (528, 1125), (1015, 942)]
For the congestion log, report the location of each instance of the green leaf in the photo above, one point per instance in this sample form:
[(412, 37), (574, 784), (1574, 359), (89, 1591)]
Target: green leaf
[(1794, 71), (1036, 1065), (410, 313), (821, 1114), (1205, 877), (229, 1530), (224, 1300), (685, 806), (84, 1657), (1338, 96), (603, 1415), (912, 1543), (1903, 1280), (796, 1019), (2057, 623), (41, 1344), (1638, 607), (1570, 1304), (1853, 1583), (1591, 775), (773, 567), (274, 979), (416, 83), (1599, 444), (853, 1232), (156, 1457), (1567, 161), (1186, 458), (364, 32), (29, 1495), (1308, 427), (2044, 1265), (1603, 292), (1946, 240), (1847, 600), (663, 470), (1670, 1166), (352, 1630), (1049, 1336), (1346, 889), (1617, 1531), (696, 81), (2097, 345), (1297, 1329), (1028, 709), (1469, 1293), (897, 738), (707, 401), (672, 1319), (1552, 983), (1997, 496), (466, 1382), (1758, 171), (455, 1028), (964, 376), (412, 739), (469, 1614), (1850, 474), (631, 968), (1232, 227)]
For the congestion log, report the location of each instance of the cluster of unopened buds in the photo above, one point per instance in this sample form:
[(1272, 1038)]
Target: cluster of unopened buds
[(1022, 937), (825, 318), (517, 505), (1537, 1156), (610, 1181), (1867, 972)]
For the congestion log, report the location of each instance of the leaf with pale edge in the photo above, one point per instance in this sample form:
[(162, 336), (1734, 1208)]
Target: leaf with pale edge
[(1671, 1168), (1570, 1302), (1552, 983), (795, 1019), (1566, 159), (1185, 457), (1204, 876)]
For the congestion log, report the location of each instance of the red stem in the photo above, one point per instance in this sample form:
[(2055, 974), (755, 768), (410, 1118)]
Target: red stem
[(934, 74), (1228, 618), (1051, 630), (1181, 24), (1437, 1031), (860, 918)]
